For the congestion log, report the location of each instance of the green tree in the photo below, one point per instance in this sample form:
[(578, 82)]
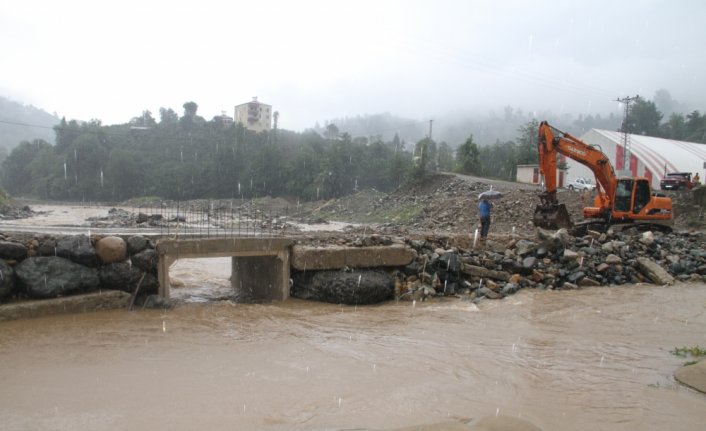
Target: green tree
[(674, 128), (696, 127), (168, 116), (643, 118), (468, 157), (17, 176), (527, 152)]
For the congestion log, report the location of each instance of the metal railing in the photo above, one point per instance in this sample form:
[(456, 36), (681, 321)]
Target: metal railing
[(201, 219)]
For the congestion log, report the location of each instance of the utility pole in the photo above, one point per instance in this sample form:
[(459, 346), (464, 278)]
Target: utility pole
[(626, 129)]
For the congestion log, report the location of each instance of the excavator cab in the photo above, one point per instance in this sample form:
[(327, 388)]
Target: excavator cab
[(632, 196)]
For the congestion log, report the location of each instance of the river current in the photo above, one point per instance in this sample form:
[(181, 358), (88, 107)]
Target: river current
[(590, 359)]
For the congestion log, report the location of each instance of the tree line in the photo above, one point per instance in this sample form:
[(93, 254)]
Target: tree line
[(188, 157)]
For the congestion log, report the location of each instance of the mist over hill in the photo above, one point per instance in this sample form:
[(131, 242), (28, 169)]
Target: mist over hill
[(20, 122)]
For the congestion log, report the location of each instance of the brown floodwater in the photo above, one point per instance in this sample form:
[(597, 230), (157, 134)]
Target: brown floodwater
[(592, 359)]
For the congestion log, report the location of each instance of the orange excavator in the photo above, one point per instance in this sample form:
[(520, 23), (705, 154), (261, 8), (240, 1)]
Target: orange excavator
[(618, 200)]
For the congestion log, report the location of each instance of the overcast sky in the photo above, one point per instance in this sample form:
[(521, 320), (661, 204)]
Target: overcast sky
[(317, 60)]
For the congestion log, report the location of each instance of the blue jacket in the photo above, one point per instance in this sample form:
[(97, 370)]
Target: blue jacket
[(484, 208)]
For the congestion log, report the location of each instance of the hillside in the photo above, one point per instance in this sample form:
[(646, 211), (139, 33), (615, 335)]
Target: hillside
[(20, 122)]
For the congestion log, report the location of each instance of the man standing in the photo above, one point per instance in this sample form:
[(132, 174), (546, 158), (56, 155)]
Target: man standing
[(484, 208)]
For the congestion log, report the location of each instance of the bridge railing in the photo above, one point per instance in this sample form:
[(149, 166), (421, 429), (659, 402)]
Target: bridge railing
[(211, 219)]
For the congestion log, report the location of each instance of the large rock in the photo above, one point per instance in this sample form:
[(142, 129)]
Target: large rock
[(146, 260), (7, 280), (111, 249), (653, 271), (338, 287), (125, 277), (12, 250), (479, 271), (47, 247), (49, 277), (77, 249), (136, 244)]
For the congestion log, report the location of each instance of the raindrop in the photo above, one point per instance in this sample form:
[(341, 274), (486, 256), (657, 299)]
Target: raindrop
[(602, 357), (414, 303), (497, 412), (374, 367), (339, 402), (164, 326)]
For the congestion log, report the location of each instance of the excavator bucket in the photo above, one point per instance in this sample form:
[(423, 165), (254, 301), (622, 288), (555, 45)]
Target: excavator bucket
[(552, 216)]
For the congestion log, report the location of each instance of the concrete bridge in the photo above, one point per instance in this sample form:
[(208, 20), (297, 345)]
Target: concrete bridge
[(261, 265)]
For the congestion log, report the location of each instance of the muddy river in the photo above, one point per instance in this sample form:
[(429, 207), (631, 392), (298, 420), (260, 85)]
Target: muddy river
[(591, 359)]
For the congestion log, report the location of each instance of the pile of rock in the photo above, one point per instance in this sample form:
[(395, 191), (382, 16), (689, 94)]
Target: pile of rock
[(49, 267), (552, 260)]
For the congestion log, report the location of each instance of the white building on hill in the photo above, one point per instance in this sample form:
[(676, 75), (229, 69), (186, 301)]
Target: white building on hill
[(647, 156)]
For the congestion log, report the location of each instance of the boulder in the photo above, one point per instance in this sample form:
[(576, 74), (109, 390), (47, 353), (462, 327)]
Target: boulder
[(111, 249), (12, 250), (146, 260), (50, 277), (479, 271), (653, 271), (364, 286), (136, 244), (47, 247), (484, 291), (125, 277), (77, 249)]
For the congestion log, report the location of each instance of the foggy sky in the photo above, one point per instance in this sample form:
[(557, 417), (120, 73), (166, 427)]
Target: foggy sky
[(318, 60)]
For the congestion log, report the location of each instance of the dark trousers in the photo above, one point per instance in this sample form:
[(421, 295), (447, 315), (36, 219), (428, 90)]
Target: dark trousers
[(484, 226)]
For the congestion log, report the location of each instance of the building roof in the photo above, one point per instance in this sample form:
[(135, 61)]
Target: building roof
[(662, 155)]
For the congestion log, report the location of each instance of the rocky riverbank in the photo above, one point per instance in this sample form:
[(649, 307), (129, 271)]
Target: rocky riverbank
[(455, 266), (44, 267)]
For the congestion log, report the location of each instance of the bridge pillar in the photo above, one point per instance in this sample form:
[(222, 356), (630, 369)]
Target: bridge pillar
[(257, 278)]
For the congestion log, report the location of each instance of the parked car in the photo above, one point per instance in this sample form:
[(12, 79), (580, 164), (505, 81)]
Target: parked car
[(581, 184), (676, 181)]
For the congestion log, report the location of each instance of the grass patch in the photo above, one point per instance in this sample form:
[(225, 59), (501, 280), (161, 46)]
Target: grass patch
[(683, 352)]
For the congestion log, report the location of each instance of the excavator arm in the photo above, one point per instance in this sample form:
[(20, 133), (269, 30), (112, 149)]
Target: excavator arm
[(550, 213), (550, 145), (618, 199)]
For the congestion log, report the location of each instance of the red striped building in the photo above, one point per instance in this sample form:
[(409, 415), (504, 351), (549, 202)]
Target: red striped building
[(645, 156)]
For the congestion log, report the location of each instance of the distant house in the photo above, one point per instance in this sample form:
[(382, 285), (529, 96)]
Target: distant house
[(646, 156), (529, 174), (254, 115), (224, 120)]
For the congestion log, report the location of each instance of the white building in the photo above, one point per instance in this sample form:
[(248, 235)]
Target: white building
[(254, 115), (647, 157)]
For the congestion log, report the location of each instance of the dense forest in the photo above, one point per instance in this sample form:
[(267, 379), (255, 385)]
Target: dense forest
[(189, 157)]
